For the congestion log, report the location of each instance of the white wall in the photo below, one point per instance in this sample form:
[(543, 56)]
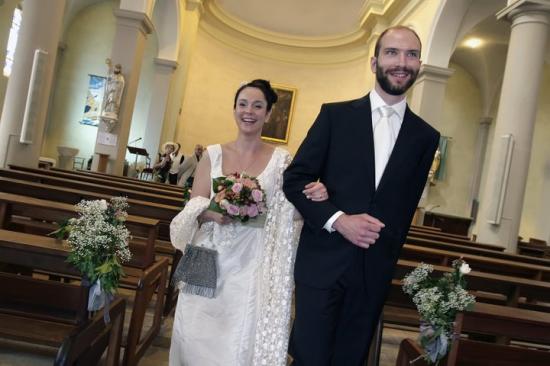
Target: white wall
[(460, 119), (207, 114), (6, 16), (88, 43), (89, 40), (535, 220)]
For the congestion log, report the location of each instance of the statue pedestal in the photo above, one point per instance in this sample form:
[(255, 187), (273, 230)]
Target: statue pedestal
[(102, 162)]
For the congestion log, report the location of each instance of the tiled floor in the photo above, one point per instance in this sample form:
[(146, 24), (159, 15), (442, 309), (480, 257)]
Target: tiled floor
[(12, 354), (157, 354)]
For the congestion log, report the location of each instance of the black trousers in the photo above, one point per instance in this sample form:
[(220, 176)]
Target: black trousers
[(333, 327), (172, 178)]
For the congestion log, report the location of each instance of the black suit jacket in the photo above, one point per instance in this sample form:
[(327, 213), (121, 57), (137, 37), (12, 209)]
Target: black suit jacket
[(339, 151)]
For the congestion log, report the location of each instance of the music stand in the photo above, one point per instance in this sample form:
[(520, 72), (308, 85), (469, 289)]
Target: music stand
[(137, 151)]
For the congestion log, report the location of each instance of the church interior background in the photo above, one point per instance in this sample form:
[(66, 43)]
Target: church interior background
[(485, 81)]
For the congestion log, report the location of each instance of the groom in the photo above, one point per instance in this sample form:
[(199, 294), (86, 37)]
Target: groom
[(373, 154)]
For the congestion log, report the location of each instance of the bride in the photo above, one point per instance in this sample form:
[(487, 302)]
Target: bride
[(247, 321)]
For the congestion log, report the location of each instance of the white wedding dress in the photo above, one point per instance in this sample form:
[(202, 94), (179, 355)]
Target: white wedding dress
[(247, 322)]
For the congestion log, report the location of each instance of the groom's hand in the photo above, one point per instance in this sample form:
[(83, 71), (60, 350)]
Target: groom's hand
[(362, 229)]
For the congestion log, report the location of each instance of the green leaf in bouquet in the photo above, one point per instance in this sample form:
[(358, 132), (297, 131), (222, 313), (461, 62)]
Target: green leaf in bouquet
[(215, 207), (62, 231), (216, 182)]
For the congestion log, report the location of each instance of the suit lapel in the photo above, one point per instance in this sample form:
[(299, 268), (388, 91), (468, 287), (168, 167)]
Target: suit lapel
[(403, 147), (362, 116)]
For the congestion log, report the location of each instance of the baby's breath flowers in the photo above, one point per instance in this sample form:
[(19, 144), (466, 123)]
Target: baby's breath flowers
[(437, 301), (99, 241)]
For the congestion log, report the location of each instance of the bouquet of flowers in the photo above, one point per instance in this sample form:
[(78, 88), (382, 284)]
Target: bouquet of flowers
[(239, 196), (99, 239), (438, 300)]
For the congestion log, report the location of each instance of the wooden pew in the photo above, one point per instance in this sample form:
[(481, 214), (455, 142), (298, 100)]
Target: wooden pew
[(52, 313), (15, 246), (92, 187), (489, 288), (447, 239), (534, 248), (122, 178), (485, 264), (477, 251), (516, 324), (163, 213), (431, 229), (83, 347), (71, 175), (37, 216)]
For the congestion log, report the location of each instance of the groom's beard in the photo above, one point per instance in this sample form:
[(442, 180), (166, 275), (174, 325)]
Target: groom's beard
[(388, 86)]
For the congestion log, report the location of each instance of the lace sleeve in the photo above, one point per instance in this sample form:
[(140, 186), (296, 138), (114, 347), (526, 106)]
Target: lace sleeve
[(286, 160), (185, 223)]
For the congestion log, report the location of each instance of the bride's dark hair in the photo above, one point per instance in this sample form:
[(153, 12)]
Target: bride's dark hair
[(264, 86)]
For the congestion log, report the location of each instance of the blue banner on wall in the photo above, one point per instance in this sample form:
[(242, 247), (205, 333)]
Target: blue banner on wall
[(94, 100)]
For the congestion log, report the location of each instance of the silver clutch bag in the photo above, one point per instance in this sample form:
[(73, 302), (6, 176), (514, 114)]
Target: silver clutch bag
[(196, 272)]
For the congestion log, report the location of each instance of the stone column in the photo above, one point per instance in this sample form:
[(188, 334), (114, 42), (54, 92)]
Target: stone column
[(190, 25), (40, 29), (429, 93), (426, 100), (516, 117), (131, 32), (164, 70), (479, 159)]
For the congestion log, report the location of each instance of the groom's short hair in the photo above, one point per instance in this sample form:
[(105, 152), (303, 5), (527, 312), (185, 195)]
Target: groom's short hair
[(395, 27)]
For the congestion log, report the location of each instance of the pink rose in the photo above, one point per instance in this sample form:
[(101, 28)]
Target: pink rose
[(233, 210), (237, 187), (243, 211), (261, 207), (249, 183), (257, 195), (253, 211)]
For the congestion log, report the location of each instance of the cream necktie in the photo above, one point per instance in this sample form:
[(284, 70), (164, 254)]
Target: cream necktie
[(383, 137)]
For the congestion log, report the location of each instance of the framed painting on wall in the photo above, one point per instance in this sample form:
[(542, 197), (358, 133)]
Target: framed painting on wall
[(278, 126), (94, 100)]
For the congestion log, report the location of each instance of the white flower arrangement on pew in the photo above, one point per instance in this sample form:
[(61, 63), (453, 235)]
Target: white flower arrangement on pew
[(437, 301), (98, 239)]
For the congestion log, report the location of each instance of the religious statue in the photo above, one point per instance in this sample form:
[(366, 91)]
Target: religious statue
[(434, 167), (114, 87)]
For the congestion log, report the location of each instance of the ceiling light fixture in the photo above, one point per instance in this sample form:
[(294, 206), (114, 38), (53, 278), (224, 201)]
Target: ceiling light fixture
[(473, 42)]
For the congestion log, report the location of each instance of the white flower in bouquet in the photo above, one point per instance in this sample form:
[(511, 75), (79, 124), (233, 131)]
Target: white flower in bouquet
[(437, 301), (465, 268), (99, 241)]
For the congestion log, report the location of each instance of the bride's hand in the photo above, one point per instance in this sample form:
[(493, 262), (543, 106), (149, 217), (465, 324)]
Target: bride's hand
[(216, 217), (316, 191)]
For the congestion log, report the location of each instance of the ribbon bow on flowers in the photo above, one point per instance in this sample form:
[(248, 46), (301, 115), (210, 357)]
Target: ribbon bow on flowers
[(437, 301)]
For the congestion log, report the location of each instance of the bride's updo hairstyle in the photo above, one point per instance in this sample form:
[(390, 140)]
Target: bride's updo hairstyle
[(264, 86)]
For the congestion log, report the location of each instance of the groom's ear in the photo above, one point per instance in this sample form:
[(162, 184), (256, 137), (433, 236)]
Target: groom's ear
[(373, 63)]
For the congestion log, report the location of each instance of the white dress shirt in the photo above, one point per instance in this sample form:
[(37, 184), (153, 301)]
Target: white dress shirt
[(396, 120)]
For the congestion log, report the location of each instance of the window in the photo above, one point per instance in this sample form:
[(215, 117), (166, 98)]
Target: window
[(12, 41)]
